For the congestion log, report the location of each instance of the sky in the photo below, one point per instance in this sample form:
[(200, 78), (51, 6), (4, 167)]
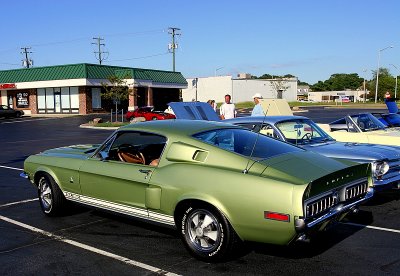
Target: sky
[(310, 39)]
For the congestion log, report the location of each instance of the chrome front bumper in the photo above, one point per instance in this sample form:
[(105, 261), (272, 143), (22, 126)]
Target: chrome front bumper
[(390, 181), (302, 225)]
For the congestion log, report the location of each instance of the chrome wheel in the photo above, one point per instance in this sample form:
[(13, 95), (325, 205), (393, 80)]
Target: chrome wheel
[(204, 230), (45, 194)]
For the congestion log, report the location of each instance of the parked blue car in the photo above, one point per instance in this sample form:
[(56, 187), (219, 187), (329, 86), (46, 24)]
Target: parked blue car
[(303, 132)]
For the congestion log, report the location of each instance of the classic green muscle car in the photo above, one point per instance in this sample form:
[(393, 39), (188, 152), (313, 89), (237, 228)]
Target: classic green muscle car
[(218, 184)]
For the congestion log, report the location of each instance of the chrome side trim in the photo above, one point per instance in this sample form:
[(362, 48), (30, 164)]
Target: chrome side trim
[(121, 208), (341, 209)]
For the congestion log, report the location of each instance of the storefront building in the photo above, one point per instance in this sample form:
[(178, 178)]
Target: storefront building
[(77, 88)]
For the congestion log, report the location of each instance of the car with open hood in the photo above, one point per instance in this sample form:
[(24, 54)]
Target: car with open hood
[(216, 183), (305, 133)]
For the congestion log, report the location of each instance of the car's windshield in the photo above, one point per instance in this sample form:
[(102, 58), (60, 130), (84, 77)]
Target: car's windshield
[(302, 131), (246, 143), (367, 122)]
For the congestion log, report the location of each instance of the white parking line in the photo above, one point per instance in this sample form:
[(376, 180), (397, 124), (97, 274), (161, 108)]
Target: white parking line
[(11, 168), (89, 248), (24, 121), (18, 202), (372, 227)]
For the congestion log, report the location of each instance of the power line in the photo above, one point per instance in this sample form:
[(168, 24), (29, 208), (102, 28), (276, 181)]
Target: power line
[(26, 62), (6, 63), (137, 33), (100, 58), (150, 56), (73, 40)]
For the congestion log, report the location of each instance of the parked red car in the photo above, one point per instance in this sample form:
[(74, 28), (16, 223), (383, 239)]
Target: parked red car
[(149, 114)]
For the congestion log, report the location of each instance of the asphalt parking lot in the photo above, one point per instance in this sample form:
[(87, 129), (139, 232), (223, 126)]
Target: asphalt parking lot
[(93, 242)]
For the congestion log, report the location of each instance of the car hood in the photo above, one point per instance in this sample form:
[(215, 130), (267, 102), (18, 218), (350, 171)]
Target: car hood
[(355, 151), (321, 172), (75, 151), (194, 111)]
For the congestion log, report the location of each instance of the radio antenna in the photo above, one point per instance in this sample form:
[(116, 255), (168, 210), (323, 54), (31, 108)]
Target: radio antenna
[(246, 170)]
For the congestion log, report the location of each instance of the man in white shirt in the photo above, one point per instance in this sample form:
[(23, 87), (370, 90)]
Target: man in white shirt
[(227, 109), (257, 110)]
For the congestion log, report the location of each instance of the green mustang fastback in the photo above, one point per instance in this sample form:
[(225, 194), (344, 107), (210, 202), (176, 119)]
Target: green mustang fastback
[(216, 183)]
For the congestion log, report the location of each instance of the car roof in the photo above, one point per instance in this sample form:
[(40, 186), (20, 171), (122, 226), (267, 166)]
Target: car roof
[(173, 126), (265, 119)]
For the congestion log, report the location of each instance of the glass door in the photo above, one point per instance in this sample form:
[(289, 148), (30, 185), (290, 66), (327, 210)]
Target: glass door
[(57, 102)]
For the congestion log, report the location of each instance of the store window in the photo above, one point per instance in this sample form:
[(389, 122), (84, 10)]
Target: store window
[(74, 94), (49, 100), (22, 100), (96, 98), (41, 100), (66, 103), (58, 100)]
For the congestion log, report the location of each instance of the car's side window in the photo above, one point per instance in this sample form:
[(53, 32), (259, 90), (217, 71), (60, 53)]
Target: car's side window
[(136, 147), (269, 131), (266, 129)]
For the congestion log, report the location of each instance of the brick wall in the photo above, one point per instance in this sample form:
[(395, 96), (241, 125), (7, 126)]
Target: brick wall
[(83, 108), (32, 101)]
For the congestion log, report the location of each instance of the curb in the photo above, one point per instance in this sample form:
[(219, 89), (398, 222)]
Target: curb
[(93, 127)]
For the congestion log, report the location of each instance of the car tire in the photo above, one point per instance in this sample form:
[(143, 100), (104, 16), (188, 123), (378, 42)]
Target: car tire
[(51, 198), (18, 114), (207, 234), (154, 118)]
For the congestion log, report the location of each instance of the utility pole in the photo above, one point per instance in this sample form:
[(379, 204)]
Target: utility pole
[(171, 47), (26, 62), (100, 57)]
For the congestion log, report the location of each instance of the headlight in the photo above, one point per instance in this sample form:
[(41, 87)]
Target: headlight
[(379, 168)]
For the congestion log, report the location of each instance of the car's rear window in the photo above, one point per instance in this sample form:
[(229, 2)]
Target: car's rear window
[(245, 142)]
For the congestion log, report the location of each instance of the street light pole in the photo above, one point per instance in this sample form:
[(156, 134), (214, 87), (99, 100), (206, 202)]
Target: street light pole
[(377, 71), (395, 87), (365, 91), (216, 70)]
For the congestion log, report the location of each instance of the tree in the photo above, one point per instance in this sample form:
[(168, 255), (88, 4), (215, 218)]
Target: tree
[(386, 83), (302, 83), (339, 82), (280, 86), (266, 76), (117, 90), (319, 86)]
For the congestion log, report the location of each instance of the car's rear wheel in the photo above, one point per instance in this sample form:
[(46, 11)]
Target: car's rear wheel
[(207, 234), (18, 114), (51, 198)]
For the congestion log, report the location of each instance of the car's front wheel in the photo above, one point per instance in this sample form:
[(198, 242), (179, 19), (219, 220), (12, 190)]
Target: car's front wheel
[(207, 233), (51, 198)]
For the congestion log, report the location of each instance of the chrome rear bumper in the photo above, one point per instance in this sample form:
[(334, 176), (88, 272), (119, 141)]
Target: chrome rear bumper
[(302, 225)]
